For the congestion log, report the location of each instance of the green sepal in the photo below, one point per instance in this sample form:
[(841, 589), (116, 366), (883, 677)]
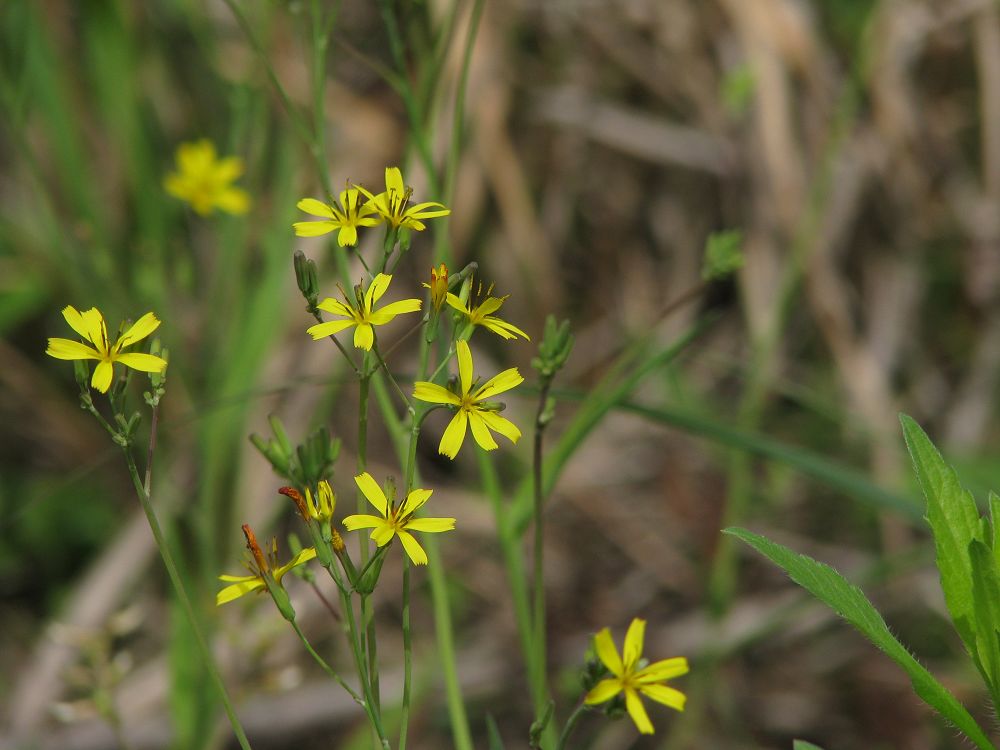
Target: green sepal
[(368, 578)]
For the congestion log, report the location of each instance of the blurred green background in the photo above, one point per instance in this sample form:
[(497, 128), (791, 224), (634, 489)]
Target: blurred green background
[(855, 144)]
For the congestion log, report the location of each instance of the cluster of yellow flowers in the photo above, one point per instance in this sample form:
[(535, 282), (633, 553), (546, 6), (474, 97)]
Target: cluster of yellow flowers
[(205, 182)]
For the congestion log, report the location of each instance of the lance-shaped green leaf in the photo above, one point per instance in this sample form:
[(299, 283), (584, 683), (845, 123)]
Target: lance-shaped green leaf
[(954, 520), (848, 601), (986, 613)]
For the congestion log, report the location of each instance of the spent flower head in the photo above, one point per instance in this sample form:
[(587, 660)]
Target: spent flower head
[(480, 313), (472, 409), (265, 573), (347, 217), (631, 678), (362, 313), (91, 326), (393, 205), (396, 520), (204, 181)]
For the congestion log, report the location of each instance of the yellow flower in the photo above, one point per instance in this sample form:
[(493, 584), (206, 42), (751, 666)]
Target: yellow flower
[(396, 520), (260, 567), (203, 180), (346, 217), (364, 316), (321, 510), (481, 315), (631, 680), (91, 326), (438, 286), (393, 205), (470, 408)]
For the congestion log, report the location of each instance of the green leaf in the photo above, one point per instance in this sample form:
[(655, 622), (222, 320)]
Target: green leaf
[(493, 733), (986, 613), (848, 601), (994, 502), (954, 519), (803, 745)]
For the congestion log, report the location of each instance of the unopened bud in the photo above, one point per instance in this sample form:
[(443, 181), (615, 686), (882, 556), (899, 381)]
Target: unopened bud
[(439, 286), (306, 277)]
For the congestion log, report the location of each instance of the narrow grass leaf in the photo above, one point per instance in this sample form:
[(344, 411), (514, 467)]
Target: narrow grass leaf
[(848, 601)]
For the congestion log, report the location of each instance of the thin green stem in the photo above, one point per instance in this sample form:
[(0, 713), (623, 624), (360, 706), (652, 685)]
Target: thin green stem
[(571, 723), (331, 671), (143, 491), (538, 649), (404, 717), (399, 391), (367, 617)]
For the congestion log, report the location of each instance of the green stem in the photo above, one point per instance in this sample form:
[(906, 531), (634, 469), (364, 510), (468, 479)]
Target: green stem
[(331, 671), (570, 725), (143, 490), (399, 391), (538, 649), (367, 618), (404, 717)]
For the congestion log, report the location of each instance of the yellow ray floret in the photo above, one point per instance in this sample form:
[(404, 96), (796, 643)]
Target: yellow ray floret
[(362, 313), (262, 566), (482, 315), (204, 181), (396, 520), (91, 327), (627, 678), (346, 217), (471, 410), (393, 205)]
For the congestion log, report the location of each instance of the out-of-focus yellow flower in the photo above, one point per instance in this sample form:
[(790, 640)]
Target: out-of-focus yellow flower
[(396, 520), (438, 286), (346, 217), (261, 566), (362, 313), (393, 205), (628, 678), (91, 326), (482, 315), (471, 410), (204, 181)]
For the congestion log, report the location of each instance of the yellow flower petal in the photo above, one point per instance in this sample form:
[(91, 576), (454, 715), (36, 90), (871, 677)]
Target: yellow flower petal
[(504, 381), (364, 336), (390, 311), (142, 362), (502, 425), (316, 208), (394, 180), (413, 549), (233, 200), (456, 303), (362, 521), (431, 525), (464, 365), (632, 650), (138, 331), (236, 590), (481, 433), (414, 501), (603, 691), (383, 534), (608, 653), (665, 669), (427, 210), (370, 489), (503, 328), (329, 328), (454, 435), (668, 696), (67, 349), (335, 307), (103, 373), (378, 287), (348, 236), (313, 228), (77, 321), (433, 393), (637, 711)]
